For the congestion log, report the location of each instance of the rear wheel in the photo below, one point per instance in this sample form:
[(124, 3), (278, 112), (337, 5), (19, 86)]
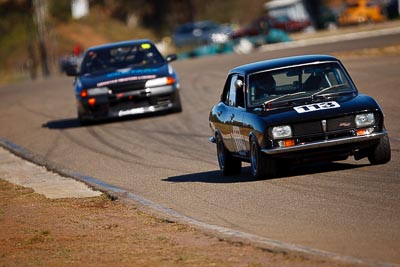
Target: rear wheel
[(381, 153), (228, 164), (261, 166)]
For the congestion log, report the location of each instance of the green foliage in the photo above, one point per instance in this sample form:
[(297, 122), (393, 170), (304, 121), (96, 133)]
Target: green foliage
[(60, 9), (15, 31), (106, 23)]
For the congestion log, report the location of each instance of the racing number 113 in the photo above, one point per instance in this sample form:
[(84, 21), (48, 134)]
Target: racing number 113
[(317, 106)]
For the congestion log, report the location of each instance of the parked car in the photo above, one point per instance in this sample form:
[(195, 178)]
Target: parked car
[(289, 25), (361, 11), (264, 24), (259, 26), (260, 32), (297, 109), (201, 33), (124, 78)]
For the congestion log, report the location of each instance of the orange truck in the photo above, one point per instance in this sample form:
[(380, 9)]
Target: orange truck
[(361, 11)]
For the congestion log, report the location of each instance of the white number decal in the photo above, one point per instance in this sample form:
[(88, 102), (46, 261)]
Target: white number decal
[(317, 106)]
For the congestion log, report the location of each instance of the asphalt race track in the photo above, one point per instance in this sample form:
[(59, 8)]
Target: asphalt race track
[(348, 208)]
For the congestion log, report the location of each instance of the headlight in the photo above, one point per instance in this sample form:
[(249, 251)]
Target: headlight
[(365, 119), (97, 91), (160, 82), (280, 132)]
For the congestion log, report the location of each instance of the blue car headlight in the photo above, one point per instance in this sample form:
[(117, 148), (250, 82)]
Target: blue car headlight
[(160, 82), (97, 91)]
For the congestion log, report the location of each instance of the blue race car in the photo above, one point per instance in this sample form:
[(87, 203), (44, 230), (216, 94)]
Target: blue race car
[(125, 78)]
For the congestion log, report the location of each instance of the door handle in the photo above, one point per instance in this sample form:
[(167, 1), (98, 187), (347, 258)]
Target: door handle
[(219, 112), (232, 116)]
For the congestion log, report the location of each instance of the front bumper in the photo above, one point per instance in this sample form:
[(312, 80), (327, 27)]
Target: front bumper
[(128, 103), (325, 143), (140, 110)]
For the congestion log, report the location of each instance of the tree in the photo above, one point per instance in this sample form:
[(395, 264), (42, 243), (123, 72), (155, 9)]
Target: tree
[(40, 17)]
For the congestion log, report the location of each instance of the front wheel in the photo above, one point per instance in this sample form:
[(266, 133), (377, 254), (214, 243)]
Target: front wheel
[(228, 164), (261, 165), (82, 121), (381, 153), (176, 104)]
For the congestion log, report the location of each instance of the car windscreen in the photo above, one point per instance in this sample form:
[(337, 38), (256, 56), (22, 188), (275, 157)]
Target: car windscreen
[(297, 82), (121, 57)]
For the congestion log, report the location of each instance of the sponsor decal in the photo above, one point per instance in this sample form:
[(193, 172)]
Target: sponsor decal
[(137, 72), (344, 124), (131, 111), (126, 79), (239, 143), (135, 111), (317, 106), (146, 46)]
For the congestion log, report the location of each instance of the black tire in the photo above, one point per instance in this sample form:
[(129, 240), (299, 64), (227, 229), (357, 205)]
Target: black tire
[(228, 164), (262, 167), (381, 153), (82, 121), (176, 104)]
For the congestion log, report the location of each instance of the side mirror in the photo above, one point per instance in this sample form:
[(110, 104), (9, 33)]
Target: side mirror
[(71, 71), (172, 57), (238, 84)]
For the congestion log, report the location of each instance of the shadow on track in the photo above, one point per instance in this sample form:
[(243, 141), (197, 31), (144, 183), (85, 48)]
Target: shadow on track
[(62, 124), (74, 122), (214, 177), (245, 176)]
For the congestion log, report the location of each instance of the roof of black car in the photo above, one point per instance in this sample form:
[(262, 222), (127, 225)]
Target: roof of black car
[(119, 44), (281, 62)]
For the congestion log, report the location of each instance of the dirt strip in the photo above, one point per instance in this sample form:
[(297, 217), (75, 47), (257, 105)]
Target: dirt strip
[(63, 222)]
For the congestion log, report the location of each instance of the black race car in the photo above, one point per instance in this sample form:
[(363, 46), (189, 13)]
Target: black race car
[(125, 78), (295, 109)]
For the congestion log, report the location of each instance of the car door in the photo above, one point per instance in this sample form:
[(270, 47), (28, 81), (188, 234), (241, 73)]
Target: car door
[(236, 113), (222, 112)]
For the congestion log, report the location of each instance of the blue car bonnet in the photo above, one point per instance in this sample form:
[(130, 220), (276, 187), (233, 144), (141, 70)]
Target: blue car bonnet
[(123, 75)]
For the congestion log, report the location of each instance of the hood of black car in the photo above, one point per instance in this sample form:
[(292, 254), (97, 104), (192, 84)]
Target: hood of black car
[(123, 76), (319, 110)]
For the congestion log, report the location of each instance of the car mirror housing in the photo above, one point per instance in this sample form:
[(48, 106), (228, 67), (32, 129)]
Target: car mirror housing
[(171, 57), (71, 71), (238, 84)]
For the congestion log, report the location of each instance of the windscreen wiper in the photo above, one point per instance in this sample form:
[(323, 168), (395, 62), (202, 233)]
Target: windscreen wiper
[(267, 104), (319, 93)]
